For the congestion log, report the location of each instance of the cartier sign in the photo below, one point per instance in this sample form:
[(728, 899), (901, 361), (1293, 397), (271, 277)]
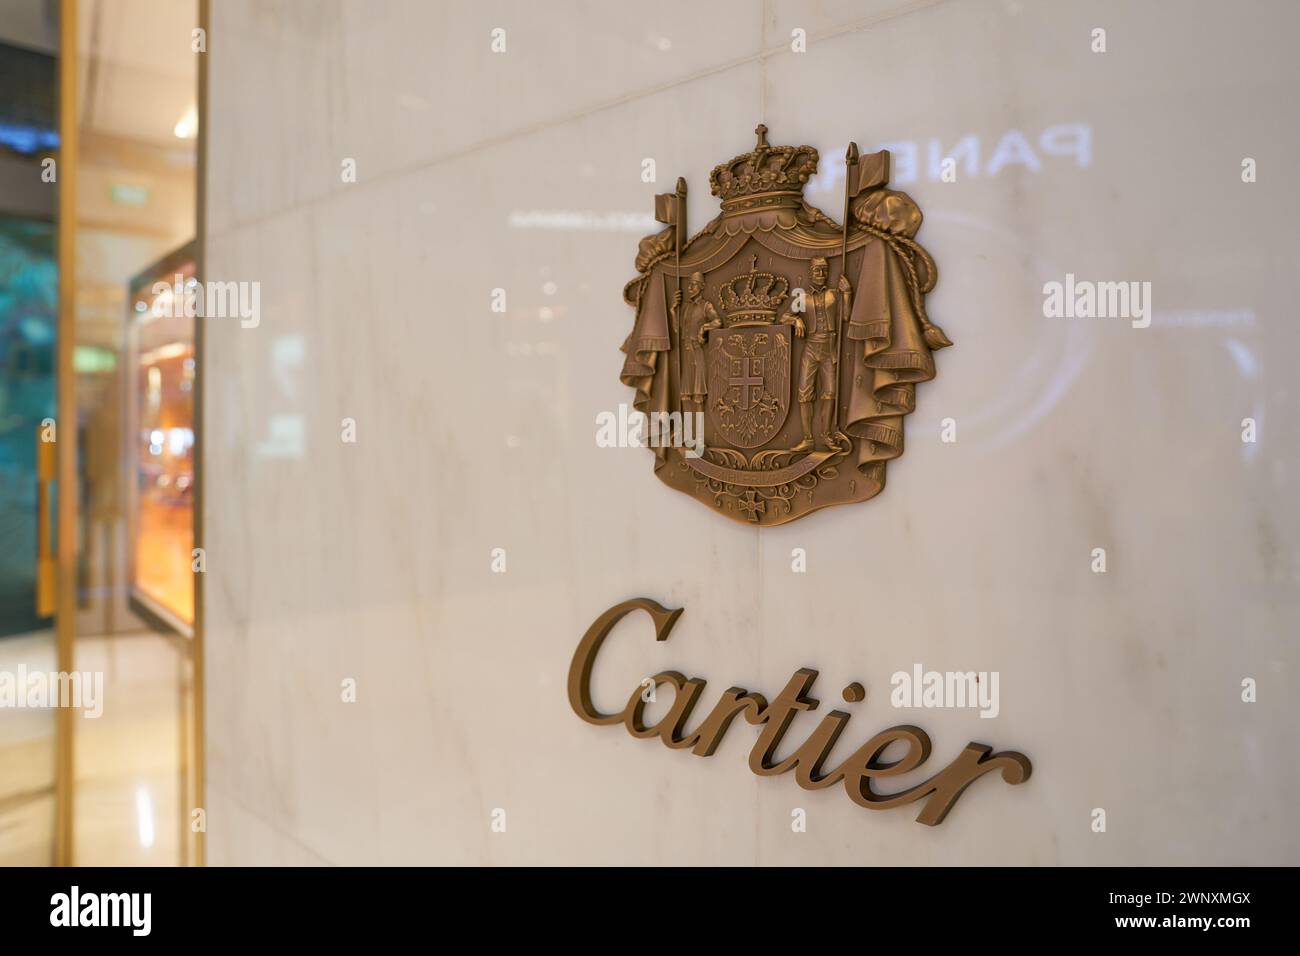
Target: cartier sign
[(773, 307), (859, 773)]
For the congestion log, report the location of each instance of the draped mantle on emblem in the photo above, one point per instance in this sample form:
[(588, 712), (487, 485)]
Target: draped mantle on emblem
[(860, 349)]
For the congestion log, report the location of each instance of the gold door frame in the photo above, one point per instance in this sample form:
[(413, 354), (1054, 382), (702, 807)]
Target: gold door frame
[(65, 616), (193, 849), (197, 728)]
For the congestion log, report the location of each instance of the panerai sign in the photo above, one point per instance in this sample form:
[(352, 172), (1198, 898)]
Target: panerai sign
[(859, 773)]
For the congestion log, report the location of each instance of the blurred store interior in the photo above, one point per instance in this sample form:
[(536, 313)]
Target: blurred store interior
[(119, 211)]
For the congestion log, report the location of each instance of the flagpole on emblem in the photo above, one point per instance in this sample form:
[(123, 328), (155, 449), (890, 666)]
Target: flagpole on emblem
[(850, 187), (670, 209), (850, 169), (680, 232), (864, 176)]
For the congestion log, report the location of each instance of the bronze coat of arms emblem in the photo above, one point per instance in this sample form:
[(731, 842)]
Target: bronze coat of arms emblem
[(799, 341)]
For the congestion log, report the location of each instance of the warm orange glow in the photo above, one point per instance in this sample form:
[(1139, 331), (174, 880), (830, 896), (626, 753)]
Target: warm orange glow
[(162, 572), (165, 479)]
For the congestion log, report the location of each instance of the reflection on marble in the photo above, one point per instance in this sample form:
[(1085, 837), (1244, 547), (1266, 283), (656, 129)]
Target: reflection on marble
[(370, 561)]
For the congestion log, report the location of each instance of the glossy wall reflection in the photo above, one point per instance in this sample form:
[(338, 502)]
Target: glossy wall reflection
[(373, 560)]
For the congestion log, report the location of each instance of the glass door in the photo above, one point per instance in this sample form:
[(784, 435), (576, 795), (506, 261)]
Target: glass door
[(99, 124), (135, 368)]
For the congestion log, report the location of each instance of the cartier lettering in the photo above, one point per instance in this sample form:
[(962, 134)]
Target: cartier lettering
[(681, 729)]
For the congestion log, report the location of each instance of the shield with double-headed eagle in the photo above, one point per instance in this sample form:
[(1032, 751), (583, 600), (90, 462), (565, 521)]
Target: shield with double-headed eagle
[(749, 385), (749, 362), (795, 342)]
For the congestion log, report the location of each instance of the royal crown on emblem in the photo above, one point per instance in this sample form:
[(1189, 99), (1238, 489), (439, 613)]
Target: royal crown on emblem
[(752, 298), (766, 169)]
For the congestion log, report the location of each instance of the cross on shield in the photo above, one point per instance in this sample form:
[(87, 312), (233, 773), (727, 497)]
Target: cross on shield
[(749, 383), (747, 375)]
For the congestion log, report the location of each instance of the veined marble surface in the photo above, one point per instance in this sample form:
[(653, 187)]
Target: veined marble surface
[(371, 561)]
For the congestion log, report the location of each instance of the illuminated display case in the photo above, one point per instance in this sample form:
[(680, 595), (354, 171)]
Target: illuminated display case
[(160, 432)]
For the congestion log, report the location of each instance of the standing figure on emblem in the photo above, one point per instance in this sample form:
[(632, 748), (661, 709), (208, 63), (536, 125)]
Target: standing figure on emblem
[(693, 326), (825, 310)]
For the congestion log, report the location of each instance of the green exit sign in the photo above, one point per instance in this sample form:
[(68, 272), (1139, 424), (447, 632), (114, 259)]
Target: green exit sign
[(126, 194)]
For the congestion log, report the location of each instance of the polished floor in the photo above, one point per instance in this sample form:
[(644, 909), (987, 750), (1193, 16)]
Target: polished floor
[(26, 761), (130, 763)]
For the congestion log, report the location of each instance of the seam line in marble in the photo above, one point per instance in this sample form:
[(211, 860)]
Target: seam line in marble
[(522, 132)]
